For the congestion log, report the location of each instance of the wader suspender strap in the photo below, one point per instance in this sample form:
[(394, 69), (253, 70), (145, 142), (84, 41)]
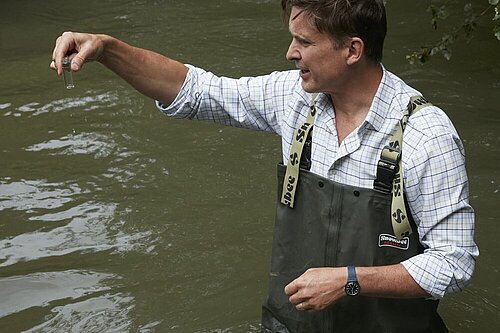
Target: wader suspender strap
[(389, 170), (293, 164)]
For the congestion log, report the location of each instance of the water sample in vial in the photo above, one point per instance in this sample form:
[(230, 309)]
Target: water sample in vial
[(68, 76)]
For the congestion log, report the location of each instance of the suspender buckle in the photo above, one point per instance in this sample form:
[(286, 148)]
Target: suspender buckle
[(387, 168)]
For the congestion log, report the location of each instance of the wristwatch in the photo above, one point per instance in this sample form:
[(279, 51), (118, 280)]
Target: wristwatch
[(352, 287)]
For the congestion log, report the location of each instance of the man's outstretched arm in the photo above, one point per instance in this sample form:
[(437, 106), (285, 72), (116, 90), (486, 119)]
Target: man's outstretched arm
[(152, 74)]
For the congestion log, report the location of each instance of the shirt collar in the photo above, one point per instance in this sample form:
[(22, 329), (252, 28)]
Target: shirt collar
[(380, 108)]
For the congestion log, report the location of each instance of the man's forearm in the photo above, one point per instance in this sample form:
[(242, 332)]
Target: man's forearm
[(388, 281), (321, 287), (152, 74)]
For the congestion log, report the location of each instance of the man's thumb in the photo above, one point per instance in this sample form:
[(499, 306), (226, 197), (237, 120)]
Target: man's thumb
[(77, 63)]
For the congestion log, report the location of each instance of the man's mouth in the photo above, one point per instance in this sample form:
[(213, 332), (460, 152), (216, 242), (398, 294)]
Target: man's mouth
[(304, 73)]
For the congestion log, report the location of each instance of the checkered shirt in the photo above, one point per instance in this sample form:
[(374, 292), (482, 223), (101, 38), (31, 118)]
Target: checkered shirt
[(435, 179)]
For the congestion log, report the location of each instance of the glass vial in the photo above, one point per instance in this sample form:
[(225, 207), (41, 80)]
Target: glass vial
[(68, 76)]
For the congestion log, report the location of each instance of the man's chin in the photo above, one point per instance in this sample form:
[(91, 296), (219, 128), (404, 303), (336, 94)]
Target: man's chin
[(308, 87)]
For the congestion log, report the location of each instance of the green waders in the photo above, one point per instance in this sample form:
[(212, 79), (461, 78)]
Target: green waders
[(336, 225)]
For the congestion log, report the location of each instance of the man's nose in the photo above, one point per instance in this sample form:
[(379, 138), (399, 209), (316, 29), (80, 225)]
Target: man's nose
[(292, 53)]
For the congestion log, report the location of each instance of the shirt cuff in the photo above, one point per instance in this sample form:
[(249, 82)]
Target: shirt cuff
[(430, 273), (181, 105)]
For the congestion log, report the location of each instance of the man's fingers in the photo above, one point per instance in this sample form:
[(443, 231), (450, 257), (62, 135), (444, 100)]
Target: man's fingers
[(302, 306), (64, 44), (297, 299), (78, 59), (58, 54), (55, 47), (291, 288), (53, 65), (294, 293)]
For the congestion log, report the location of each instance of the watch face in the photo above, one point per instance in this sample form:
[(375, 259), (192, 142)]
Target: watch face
[(352, 288)]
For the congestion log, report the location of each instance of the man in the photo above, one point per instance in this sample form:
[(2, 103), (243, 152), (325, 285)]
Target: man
[(339, 263)]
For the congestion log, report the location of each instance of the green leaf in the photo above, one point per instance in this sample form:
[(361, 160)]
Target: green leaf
[(469, 28), (464, 29), (437, 13), (421, 56), (446, 54), (496, 31), (497, 13)]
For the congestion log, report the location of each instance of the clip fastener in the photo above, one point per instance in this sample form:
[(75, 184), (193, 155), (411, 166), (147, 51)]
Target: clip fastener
[(387, 168)]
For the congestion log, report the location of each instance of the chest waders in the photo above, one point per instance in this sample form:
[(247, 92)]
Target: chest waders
[(336, 225)]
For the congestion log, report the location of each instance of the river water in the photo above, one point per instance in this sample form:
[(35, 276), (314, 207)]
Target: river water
[(114, 218)]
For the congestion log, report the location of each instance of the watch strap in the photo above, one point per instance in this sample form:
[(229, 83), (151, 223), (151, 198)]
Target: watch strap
[(351, 274), (351, 287)]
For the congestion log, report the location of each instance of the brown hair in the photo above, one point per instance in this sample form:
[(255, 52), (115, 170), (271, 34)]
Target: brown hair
[(341, 19)]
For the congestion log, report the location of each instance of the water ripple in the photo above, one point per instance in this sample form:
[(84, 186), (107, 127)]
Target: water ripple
[(5, 105), (92, 228), (86, 103), (35, 194), (82, 143), (38, 289), (108, 313), (85, 232)]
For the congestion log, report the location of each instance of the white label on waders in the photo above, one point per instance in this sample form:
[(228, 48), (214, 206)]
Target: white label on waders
[(391, 241)]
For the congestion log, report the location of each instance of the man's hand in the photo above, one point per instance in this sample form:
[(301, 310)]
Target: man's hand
[(152, 74), (317, 288), (79, 47)]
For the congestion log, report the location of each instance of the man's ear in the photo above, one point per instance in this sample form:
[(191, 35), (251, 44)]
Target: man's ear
[(356, 49)]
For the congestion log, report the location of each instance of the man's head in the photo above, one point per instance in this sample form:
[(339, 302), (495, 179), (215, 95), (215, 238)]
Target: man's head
[(342, 19)]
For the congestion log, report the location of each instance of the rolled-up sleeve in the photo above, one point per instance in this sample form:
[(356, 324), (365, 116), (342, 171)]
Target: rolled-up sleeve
[(438, 194), (249, 102)]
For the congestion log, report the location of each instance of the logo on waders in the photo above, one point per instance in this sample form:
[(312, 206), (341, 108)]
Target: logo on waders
[(386, 240)]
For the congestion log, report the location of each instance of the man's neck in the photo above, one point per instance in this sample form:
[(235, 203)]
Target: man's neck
[(353, 101), (358, 91)]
